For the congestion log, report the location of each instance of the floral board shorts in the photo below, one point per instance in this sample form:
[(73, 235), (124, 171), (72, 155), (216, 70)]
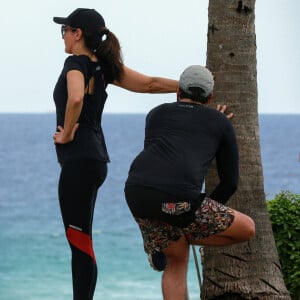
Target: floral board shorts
[(212, 217)]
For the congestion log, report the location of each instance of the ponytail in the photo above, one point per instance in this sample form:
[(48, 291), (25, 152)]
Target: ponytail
[(106, 47)]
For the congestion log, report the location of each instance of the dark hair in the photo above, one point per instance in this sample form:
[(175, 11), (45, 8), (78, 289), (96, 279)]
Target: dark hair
[(196, 94), (107, 48)]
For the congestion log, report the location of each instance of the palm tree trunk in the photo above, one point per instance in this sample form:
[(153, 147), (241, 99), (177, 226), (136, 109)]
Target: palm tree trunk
[(249, 270)]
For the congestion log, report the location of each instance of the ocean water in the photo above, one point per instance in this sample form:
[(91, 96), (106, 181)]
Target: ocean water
[(34, 255)]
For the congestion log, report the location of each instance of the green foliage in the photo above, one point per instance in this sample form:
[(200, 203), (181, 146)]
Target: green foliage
[(284, 212)]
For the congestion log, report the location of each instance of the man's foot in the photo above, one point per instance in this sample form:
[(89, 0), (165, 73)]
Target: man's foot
[(157, 261)]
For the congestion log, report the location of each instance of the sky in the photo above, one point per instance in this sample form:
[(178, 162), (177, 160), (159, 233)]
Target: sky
[(158, 38)]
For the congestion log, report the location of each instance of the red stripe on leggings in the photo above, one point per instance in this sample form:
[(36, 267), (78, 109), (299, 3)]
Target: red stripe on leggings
[(82, 241)]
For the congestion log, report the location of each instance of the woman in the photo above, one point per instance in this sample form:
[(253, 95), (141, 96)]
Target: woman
[(79, 96)]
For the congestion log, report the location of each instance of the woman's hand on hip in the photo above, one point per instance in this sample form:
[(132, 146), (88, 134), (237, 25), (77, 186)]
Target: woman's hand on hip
[(60, 136)]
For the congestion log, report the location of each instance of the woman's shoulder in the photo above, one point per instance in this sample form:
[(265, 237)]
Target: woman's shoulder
[(77, 59), (80, 63)]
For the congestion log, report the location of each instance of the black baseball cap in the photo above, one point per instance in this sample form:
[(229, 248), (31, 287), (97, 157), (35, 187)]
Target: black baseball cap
[(83, 18)]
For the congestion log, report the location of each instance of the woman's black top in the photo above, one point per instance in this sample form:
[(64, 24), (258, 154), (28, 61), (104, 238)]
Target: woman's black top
[(89, 140)]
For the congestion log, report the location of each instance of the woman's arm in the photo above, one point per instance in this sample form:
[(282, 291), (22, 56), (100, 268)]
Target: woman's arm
[(140, 83), (75, 86)]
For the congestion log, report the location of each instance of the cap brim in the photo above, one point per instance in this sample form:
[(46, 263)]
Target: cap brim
[(59, 20)]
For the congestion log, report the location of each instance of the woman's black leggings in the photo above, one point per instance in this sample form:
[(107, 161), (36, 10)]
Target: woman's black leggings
[(78, 185)]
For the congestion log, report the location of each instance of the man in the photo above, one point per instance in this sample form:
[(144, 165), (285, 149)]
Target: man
[(165, 182)]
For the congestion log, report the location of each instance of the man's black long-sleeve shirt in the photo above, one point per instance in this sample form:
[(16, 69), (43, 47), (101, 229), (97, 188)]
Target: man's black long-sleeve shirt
[(181, 140)]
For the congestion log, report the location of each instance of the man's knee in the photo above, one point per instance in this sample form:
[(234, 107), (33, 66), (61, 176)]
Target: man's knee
[(250, 229), (177, 251), (175, 255), (245, 226)]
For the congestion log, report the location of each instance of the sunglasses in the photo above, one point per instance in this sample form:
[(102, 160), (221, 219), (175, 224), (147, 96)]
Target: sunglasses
[(65, 28)]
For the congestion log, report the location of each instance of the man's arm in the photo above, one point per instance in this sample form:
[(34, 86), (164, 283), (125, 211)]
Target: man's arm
[(227, 159)]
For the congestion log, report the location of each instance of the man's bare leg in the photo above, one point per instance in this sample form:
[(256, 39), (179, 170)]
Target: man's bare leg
[(242, 229), (174, 283)]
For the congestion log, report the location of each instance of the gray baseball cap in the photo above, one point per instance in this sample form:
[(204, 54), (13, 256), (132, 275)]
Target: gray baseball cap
[(197, 76)]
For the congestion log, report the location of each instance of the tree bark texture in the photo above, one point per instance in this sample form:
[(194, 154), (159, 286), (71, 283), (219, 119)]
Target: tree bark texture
[(248, 270)]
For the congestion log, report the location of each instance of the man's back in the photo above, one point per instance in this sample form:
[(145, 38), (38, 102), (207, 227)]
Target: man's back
[(181, 139)]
